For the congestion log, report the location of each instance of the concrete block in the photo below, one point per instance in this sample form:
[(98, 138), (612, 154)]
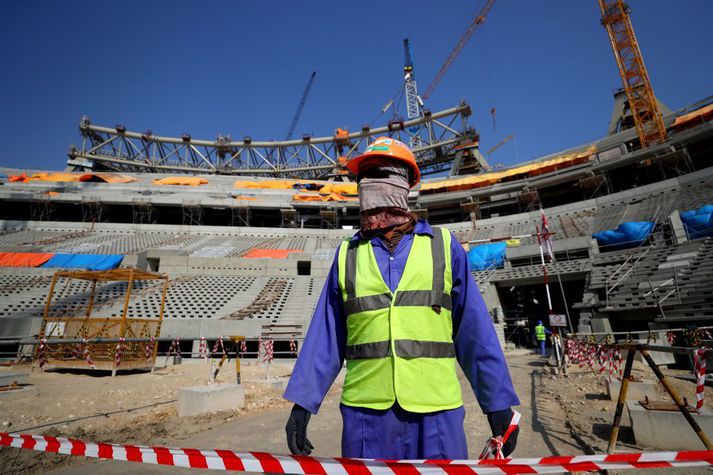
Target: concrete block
[(667, 430), (6, 379), (637, 391), (207, 399)]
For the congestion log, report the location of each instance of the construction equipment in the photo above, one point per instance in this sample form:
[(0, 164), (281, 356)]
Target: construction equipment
[(642, 102), (413, 102), (301, 106), (477, 21), (500, 144)]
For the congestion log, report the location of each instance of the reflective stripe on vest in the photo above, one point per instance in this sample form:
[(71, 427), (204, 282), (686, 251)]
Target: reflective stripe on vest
[(540, 332), (399, 346)]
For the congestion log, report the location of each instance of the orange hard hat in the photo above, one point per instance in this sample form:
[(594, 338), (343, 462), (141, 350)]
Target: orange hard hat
[(388, 148)]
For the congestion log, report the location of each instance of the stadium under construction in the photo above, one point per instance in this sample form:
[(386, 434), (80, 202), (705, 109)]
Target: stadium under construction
[(246, 231)]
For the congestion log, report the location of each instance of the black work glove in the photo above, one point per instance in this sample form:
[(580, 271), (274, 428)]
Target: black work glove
[(499, 422), (296, 430)]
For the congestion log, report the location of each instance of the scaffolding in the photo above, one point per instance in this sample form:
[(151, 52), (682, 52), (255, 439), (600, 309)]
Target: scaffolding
[(79, 323)]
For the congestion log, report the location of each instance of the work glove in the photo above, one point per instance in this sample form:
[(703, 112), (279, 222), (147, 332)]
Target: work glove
[(499, 422), (296, 430)]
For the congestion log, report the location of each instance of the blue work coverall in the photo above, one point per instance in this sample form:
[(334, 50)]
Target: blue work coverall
[(396, 433)]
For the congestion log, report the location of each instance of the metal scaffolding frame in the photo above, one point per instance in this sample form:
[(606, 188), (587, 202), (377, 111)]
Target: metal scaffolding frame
[(116, 149)]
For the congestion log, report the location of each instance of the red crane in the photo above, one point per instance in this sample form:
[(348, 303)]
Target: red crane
[(477, 21)]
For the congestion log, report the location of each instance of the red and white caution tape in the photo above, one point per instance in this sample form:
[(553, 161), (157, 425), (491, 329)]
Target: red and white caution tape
[(494, 446), (117, 352), (203, 349), (268, 355), (175, 347), (218, 344), (699, 362), (293, 346), (243, 348), (262, 462), (85, 353), (42, 353), (149, 348)]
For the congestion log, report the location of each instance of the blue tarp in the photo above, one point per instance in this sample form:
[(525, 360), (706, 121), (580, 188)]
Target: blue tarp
[(485, 255), (698, 222), (630, 234), (85, 261)]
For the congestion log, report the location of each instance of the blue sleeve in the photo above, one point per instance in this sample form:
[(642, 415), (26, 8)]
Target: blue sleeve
[(322, 353), (477, 347)]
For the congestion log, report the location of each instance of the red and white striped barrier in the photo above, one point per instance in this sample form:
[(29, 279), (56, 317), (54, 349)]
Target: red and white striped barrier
[(268, 355), (149, 348), (85, 353), (42, 353), (219, 344), (243, 348), (261, 462), (117, 352), (699, 362), (293, 346), (203, 349)]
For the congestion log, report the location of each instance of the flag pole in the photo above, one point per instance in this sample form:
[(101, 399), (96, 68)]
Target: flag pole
[(554, 263)]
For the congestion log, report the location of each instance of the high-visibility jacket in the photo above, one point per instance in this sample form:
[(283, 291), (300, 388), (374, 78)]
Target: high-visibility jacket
[(540, 333), (400, 345)]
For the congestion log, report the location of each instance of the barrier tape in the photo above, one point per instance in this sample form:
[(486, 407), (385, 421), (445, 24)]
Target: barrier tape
[(203, 349), (494, 446), (219, 344), (699, 362), (175, 347), (85, 353), (149, 348), (262, 462), (293, 346), (42, 354), (243, 348), (268, 356)]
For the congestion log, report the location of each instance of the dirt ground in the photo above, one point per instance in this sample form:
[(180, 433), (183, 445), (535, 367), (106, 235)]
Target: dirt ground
[(561, 415), (134, 407)]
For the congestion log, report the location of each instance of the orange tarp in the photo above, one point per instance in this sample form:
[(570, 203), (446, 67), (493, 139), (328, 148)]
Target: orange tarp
[(23, 178), (181, 180), (530, 169), (66, 177), (24, 259), (270, 184), (330, 197), (258, 253), (340, 188), (107, 177), (702, 114)]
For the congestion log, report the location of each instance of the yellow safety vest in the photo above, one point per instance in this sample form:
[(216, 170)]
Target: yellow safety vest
[(540, 333), (400, 345)]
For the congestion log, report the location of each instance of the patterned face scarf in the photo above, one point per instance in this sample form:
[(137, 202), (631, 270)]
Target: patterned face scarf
[(383, 196)]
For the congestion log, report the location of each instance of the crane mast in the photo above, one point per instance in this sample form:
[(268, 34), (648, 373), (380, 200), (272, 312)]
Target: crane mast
[(477, 21), (301, 106), (642, 102), (413, 106)]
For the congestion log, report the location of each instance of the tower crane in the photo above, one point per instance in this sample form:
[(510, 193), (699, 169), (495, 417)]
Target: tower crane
[(477, 21), (301, 106), (414, 104), (642, 102)]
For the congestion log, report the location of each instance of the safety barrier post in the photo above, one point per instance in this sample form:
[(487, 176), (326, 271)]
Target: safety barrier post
[(614, 435)]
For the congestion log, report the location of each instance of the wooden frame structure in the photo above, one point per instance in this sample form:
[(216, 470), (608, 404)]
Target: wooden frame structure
[(86, 326)]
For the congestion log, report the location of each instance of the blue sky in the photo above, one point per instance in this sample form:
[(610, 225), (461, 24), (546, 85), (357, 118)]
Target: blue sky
[(239, 67)]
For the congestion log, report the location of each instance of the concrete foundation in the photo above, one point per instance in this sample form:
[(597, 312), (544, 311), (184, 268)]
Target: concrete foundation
[(667, 430), (635, 392), (207, 399)]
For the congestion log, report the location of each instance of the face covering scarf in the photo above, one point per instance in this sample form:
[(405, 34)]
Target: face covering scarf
[(383, 196)]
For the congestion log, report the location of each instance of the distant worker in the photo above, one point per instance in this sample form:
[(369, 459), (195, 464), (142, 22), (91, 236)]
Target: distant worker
[(400, 306), (541, 335)]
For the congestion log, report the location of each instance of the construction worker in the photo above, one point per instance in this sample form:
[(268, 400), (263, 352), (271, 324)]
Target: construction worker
[(401, 307), (541, 335)]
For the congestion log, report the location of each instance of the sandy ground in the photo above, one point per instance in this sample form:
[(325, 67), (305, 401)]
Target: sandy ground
[(561, 415)]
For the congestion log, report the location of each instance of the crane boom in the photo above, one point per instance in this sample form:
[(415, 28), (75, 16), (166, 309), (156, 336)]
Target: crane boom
[(642, 102), (500, 144), (477, 21), (301, 106)]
